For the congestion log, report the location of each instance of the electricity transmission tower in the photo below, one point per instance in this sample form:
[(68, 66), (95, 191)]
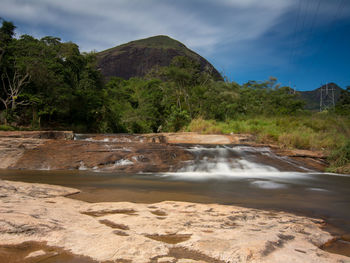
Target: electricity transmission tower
[(326, 97), (292, 90)]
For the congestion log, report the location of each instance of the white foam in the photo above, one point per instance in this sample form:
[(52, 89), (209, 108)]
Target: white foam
[(47, 168), (82, 166), (124, 149), (123, 162), (268, 185), (121, 139), (318, 189), (223, 164)]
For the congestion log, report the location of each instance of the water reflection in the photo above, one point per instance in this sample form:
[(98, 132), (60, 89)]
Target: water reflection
[(251, 177)]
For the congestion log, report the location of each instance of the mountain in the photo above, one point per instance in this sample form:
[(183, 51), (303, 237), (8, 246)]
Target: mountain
[(312, 98), (137, 58)]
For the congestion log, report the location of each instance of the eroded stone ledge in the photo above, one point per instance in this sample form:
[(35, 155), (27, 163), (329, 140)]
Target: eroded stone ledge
[(129, 232)]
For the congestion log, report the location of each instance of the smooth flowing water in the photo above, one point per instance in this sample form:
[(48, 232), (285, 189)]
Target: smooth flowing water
[(244, 176)]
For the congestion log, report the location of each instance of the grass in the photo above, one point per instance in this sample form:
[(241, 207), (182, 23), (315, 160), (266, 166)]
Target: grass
[(340, 159), (317, 131), (6, 128)]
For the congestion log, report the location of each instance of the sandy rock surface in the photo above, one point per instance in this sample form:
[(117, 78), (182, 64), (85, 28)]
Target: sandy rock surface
[(196, 138), (162, 232)]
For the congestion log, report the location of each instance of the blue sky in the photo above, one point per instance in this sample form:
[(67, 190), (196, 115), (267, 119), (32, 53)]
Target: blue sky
[(302, 42)]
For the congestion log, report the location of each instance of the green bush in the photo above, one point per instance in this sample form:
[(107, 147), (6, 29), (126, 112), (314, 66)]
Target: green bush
[(340, 158), (6, 128), (177, 119)]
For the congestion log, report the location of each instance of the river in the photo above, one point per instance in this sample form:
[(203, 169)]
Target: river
[(232, 175)]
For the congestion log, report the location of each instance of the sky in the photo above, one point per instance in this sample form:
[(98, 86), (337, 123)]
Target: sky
[(303, 43)]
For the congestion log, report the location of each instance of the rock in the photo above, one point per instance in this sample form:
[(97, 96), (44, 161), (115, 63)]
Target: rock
[(210, 139), (66, 135), (34, 190), (217, 233), (312, 159), (54, 150), (37, 253), (137, 58), (187, 260), (167, 260), (127, 153), (12, 149), (99, 156)]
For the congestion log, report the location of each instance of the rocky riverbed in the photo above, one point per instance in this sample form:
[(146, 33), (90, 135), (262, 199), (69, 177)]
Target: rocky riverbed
[(38, 223), (55, 150)]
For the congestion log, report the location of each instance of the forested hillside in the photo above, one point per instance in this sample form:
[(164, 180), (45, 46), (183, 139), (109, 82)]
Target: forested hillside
[(47, 83), (50, 84)]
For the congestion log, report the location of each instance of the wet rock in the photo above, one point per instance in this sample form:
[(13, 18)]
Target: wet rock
[(100, 156), (35, 254), (55, 150)]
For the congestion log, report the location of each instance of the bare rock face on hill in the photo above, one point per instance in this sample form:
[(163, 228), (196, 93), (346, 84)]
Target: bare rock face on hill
[(137, 58)]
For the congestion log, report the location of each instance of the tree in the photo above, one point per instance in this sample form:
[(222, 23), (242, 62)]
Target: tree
[(7, 32), (12, 87), (343, 105)]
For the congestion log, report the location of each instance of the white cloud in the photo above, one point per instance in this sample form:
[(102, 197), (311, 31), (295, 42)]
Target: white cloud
[(203, 25), (106, 23)]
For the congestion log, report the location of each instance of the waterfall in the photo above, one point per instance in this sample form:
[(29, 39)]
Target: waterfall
[(237, 162)]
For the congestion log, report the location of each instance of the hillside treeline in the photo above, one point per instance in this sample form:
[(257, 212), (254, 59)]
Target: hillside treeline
[(46, 83), (49, 84)]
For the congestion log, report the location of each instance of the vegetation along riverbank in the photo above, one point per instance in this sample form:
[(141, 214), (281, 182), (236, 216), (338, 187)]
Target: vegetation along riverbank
[(49, 84)]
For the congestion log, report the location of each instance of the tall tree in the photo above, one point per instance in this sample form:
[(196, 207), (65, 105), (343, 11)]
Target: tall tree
[(7, 32)]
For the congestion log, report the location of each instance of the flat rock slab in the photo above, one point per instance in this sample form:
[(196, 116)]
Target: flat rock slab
[(162, 232), (67, 135), (210, 139), (130, 157), (162, 152)]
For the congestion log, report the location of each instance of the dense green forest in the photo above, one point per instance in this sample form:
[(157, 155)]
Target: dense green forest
[(49, 84)]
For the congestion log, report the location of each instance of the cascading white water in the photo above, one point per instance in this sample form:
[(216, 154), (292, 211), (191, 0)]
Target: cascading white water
[(236, 163)]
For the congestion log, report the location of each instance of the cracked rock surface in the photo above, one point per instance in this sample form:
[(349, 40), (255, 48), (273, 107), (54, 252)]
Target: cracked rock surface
[(163, 232)]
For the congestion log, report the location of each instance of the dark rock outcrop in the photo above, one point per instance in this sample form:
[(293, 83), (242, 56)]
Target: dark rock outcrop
[(137, 58)]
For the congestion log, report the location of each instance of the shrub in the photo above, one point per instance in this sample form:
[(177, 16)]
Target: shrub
[(340, 157), (6, 128)]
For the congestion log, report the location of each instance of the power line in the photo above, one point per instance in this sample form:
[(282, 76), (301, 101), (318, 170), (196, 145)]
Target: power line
[(295, 33), (312, 25), (326, 35), (303, 30), (305, 16), (314, 17)]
